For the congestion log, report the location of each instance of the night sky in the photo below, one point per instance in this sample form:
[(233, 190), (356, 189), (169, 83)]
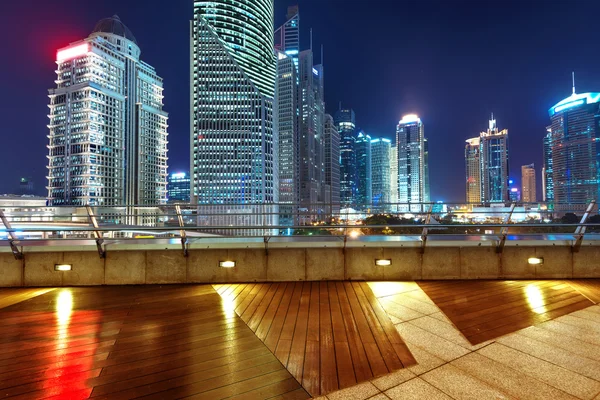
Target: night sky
[(452, 62)]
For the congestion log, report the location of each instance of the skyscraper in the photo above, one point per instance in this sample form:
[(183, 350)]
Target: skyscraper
[(381, 152), (346, 125), (287, 36), (287, 119), (575, 143), (394, 178), (233, 138), (179, 187), (473, 168), (332, 161), (363, 171), (528, 190), (108, 131), (494, 164), (412, 159), (547, 181)]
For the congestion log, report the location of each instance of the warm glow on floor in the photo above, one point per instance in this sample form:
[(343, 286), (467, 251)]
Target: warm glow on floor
[(535, 299), (382, 289)]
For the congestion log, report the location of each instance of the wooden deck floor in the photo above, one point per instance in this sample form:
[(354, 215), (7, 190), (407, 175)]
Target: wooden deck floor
[(127, 342), (329, 335), (484, 310)]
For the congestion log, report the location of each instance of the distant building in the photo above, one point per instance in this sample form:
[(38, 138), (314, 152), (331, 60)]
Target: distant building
[(287, 36), (494, 164), (108, 131), (528, 190), (362, 148), (514, 195), (178, 187), (393, 178), (547, 180), (473, 168), (381, 152), (26, 186), (575, 143), (332, 161), (346, 125), (412, 151)]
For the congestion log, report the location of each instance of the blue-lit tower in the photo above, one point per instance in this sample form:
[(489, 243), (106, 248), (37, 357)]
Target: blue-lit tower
[(494, 164), (345, 121), (363, 171), (381, 152), (547, 181)]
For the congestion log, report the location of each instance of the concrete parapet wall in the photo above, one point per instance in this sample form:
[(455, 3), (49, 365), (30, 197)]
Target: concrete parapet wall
[(169, 266)]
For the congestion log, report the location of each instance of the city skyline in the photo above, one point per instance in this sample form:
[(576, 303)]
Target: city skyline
[(408, 90)]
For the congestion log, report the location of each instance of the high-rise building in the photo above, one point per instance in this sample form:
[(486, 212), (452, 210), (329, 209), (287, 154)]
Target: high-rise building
[(314, 192), (287, 120), (178, 187), (575, 143), (547, 181), (346, 125), (381, 152), (108, 131), (514, 195), (362, 149), (332, 162), (473, 168), (233, 136), (26, 186), (528, 191), (494, 164), (287, 36), (412, 169), (393, 178)]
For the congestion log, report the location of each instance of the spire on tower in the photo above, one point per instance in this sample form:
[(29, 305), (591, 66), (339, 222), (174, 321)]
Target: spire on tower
[(573, 75)]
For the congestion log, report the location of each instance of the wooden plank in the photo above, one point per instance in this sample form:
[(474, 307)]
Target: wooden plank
[(328, 368), (267, 320), (262, 308), (277, 326), (255, 303), (295, 362), (311, 372)]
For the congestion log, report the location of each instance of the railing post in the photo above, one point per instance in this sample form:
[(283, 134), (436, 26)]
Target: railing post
[(504, 230), (580, 231), (182, 231), (97, 233), (13, 238), (425, 230)]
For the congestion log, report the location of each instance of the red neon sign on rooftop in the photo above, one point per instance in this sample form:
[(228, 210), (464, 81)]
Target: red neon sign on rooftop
[(72, 52)]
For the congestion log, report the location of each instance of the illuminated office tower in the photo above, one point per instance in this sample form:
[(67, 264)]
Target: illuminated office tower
[(393, 178), (575, 143), (178, 187), (363, 171), (426, 167), (332, 161), (108, 131), (494, 164), (381, 151), (286, 117), (473, 168), (547, 181), (412, 169), (346, 125), (287, 36), (314, 192), (233, 138), (528, 192)]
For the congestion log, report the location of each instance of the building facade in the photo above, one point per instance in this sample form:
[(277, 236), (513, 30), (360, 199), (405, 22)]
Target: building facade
[(494, 164), (178, 187), (345, 121), (547, 181), (332, 162), (528, 184), (362, 148), (108, 131), (393, 178), (413, 181), (234, 141), (381, 152), (575, 143), (473, 168)]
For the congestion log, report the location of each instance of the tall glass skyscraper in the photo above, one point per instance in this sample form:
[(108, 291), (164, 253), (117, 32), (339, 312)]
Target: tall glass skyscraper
[(547, 181), (287, 36), (394, 178), (381, 151), (108, 131), (494, 164), (413, 181), (473, 168), (362, 148), (575, 143), (332, 161), (346, 124), (233, 138)]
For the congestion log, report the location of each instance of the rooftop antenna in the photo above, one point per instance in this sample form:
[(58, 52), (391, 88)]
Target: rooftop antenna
[(573, 74)]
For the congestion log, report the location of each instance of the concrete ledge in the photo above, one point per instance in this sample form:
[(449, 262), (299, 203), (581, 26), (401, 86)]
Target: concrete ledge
[(281, 263)]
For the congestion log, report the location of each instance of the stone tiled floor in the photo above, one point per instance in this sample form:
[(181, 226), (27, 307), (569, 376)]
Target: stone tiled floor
[(557, 359)]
